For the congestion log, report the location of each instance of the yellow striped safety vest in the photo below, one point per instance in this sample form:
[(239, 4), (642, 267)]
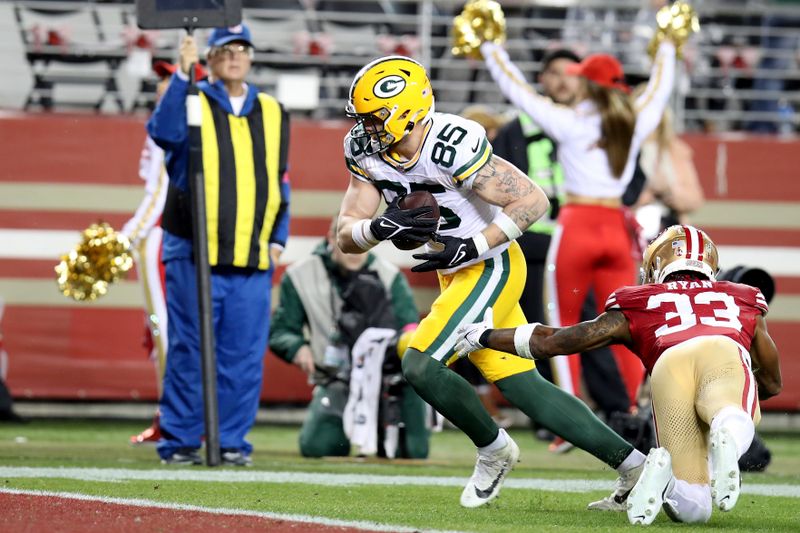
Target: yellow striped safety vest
[(243, 158)]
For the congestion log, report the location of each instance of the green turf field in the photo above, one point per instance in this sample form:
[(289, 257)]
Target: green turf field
[(102, 463)]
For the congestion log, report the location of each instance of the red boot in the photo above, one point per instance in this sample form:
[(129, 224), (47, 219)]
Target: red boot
[(150, 435), (559, 445)]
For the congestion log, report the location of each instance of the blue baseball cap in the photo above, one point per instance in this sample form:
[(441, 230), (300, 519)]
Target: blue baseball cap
[(222, 36)]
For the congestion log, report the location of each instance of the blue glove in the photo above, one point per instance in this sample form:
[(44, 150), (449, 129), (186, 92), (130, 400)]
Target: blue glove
[(456, 252)]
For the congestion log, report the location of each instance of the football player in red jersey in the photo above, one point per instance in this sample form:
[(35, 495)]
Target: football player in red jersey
[(710, 358)]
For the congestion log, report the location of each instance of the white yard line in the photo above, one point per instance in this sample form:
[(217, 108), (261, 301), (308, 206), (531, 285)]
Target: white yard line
[(136, 502), (310, 478)]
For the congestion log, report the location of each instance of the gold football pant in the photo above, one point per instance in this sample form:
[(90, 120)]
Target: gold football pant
[(466, 294), (691, 383)]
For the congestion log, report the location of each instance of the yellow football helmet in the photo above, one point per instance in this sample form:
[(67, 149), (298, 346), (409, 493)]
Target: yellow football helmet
[(388, 96), (680, 248)]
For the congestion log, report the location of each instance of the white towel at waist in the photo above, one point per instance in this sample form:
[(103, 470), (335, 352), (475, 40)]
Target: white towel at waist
[(361, 411)]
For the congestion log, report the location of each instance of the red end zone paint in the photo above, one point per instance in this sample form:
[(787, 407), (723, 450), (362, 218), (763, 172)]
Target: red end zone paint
[(27, 512)]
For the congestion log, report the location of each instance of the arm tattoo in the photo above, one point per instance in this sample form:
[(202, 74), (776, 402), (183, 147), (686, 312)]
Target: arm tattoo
[(504, 181), (484, 176), (503, 185), (601, 331), (523, 216)]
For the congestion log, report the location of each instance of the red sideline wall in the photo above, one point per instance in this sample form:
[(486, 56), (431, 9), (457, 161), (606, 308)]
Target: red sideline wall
[(80, 352)]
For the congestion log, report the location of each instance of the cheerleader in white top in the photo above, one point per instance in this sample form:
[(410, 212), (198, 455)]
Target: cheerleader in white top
[(598, 142)]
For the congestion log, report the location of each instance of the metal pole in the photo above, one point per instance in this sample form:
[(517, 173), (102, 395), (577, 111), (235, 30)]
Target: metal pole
[(203, 271), (425, 30)]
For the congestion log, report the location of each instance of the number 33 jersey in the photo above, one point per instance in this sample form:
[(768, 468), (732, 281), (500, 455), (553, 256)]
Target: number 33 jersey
[(662, 315), (452, 151)]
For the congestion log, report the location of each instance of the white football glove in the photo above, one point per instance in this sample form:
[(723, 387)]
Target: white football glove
[(469, 335)]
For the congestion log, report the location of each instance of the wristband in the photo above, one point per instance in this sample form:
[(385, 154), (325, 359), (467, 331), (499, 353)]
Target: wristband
[(194, 110), (508, 226), (362, 236), (481, 244), (522, 337)]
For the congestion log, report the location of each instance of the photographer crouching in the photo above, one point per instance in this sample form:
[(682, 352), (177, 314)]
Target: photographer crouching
[(340, 319)]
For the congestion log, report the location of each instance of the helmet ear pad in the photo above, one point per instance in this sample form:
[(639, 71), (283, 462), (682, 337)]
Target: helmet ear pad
[(680, 248)]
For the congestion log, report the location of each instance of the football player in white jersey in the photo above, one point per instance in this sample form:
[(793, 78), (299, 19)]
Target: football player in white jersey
[(399, 145)]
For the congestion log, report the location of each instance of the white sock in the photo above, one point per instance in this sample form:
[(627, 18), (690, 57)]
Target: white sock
[(634, 459), (691, 503), (496, 444), (738, 423)]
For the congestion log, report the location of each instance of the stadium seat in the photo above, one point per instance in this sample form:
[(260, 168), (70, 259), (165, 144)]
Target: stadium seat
[(66, 46)]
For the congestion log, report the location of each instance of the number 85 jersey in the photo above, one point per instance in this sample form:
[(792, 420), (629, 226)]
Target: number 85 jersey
[(662, 315), (452, 151)]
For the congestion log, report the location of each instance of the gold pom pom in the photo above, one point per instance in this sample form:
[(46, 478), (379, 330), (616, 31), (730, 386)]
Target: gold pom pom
[(102, 257), (480, 21), (676, 22)]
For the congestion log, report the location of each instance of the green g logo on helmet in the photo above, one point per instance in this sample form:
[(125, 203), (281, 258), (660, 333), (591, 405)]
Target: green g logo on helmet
[(389, 86)]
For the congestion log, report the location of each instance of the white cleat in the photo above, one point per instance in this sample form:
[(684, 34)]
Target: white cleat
[(490, 472), (617, 500), (725, 482), (646, 498)]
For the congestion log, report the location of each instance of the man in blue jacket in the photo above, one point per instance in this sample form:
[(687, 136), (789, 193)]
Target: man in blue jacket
[(245, 136)]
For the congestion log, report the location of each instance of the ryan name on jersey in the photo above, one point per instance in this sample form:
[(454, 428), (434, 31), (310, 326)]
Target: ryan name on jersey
[(684, 285)]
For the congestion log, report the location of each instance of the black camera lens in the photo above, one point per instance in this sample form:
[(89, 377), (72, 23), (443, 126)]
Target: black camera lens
[(755, 277)]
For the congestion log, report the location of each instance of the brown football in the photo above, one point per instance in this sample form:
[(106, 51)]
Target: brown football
[(412, 201)]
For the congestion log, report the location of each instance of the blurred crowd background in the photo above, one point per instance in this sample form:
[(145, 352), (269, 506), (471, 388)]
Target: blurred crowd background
[(741, 71)]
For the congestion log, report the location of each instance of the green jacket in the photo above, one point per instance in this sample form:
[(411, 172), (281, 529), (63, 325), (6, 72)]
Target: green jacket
[(306, 307)]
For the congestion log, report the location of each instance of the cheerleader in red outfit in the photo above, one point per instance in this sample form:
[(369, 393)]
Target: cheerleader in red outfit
[(598, 141)]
